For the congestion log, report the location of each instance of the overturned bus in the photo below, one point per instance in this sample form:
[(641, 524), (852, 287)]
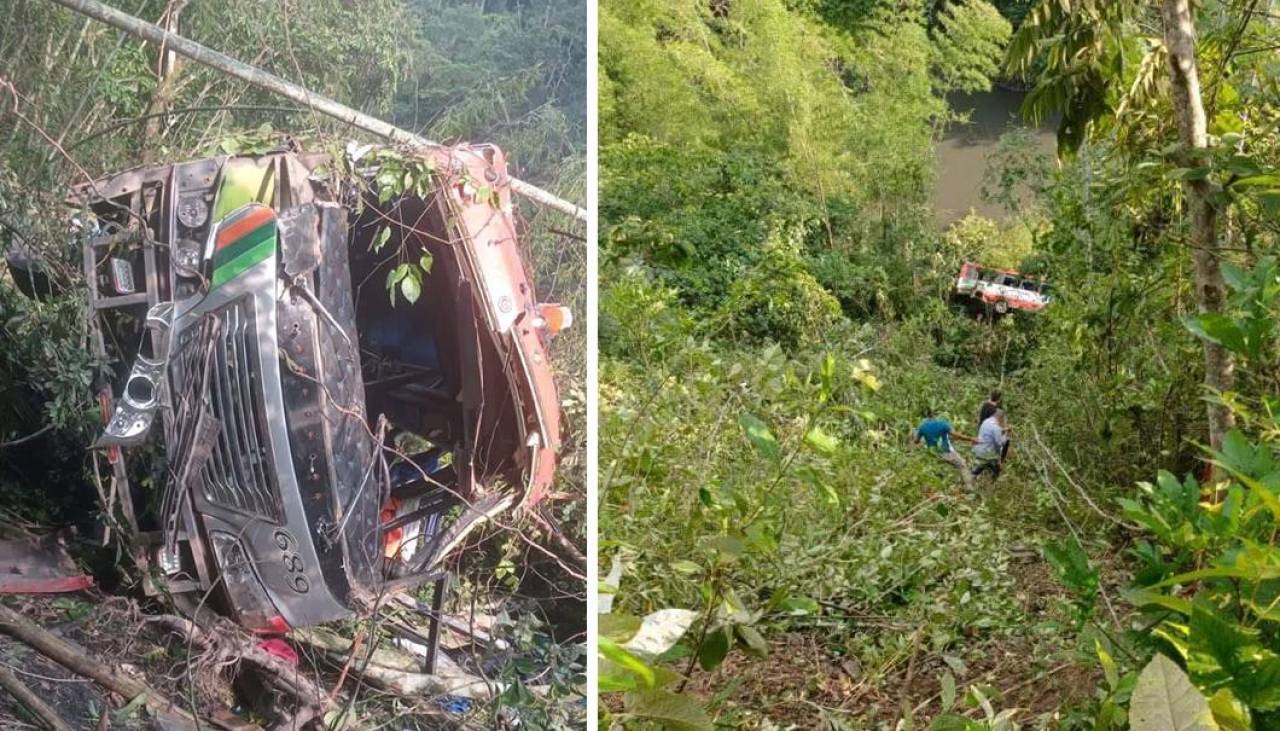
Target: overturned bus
[(310, 441)]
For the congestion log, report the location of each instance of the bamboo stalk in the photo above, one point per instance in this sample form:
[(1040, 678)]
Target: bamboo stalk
[(270, 82)]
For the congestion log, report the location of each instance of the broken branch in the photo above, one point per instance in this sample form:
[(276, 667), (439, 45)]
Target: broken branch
[(47, 716)]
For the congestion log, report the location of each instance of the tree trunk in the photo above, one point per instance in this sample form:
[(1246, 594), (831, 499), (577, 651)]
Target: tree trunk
[(1180, 39), (166, 84)]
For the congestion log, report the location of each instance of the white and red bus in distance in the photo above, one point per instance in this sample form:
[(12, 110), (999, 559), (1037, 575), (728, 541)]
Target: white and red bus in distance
[(1002, 289)]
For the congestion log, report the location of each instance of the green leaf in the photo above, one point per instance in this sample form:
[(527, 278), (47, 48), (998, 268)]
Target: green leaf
[(1218, 328), (1071, 564), (686, 567), (751, 638), (952, 722), (380, 239), (411, 287), (426, 262), (1242, 165), (1270, 201), (619, 627), (821, 442), (618, 655), (729, 547), (1221, 651), (1257, 181), (1165, 700), (714, 649), (395, 275), (704, 496), (948, 691), (614, 678), (671, 711), (799, 606), (1143, 598), (1229, 712), (1108, 666), (760, 437)]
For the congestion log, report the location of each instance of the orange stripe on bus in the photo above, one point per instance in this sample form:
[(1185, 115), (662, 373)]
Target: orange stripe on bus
[(249, 222)]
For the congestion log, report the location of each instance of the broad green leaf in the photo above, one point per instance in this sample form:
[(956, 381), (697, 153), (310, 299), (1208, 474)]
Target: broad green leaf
[(1269, 200), (1221, 651), (1218, 328), (1143, 598), (671, 711), (760, 436), (618, 655), (821, 442), (1229, 712), (729, 547), (411, 287), (714, 649), (1221, 572), (619, 627), (1165, 700), (613, 678), (948, 692), (1196, 173)]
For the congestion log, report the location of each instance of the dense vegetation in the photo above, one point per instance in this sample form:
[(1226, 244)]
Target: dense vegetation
[(775, 322), (79, 100)]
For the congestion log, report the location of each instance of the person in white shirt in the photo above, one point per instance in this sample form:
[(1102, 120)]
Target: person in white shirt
[(989, 449)]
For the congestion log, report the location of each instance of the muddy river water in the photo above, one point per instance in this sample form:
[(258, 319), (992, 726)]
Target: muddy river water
[(961, 155)]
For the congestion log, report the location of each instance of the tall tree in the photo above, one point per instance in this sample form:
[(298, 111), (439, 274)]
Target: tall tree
[(1184, 77)]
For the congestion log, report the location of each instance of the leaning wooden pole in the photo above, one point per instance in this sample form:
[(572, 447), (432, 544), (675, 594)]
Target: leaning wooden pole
[(261, 79)]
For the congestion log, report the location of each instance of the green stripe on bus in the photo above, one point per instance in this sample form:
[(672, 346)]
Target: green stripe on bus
[(234, 268), (244, 243)]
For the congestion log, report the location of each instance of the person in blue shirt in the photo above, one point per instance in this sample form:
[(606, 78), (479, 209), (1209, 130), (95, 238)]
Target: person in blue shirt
[(936, 434)]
